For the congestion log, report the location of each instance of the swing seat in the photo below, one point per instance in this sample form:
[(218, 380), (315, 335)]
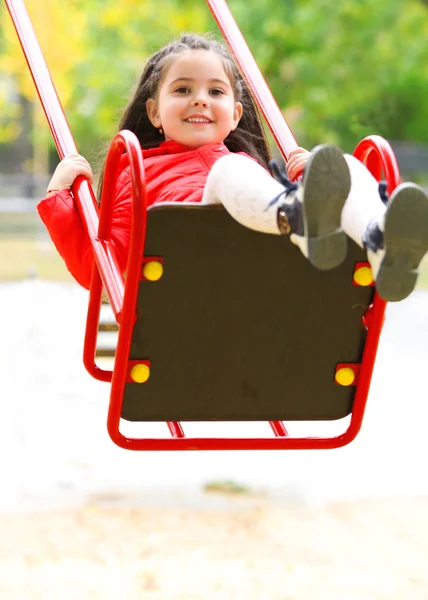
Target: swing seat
[(240, 326), (217, 322)]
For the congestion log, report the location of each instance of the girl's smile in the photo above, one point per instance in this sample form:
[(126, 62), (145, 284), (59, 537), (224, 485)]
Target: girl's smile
[(198, 120)]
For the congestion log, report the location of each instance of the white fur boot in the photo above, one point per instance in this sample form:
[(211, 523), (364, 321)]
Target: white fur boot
[(395, 236), (309, 211)]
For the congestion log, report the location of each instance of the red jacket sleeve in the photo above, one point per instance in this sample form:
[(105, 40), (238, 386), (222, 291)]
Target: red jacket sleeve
[(60, 215)]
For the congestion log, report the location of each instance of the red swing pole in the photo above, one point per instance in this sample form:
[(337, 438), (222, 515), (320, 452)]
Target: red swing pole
[(65, 144), (272, 114)]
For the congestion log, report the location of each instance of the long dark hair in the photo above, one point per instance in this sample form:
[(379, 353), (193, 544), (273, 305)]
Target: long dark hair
[(248, 137)]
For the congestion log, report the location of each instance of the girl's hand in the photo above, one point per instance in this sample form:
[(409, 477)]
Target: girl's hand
[(68, 169), (297, 160)]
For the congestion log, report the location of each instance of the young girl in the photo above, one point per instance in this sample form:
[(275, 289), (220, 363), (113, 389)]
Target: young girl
[(203, 141)]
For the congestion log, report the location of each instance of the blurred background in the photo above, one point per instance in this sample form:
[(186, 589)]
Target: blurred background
[(81, 518)]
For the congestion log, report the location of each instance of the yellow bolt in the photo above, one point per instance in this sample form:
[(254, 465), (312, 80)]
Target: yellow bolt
[(153, 270), (140, 373), (345, 376), (363, 276)]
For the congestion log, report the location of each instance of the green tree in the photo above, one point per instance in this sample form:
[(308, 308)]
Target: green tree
[(343, 70), (338, 70), (63, 51)]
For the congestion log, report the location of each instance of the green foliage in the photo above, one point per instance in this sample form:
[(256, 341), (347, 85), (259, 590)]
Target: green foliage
[(343, 70), (339, 70)]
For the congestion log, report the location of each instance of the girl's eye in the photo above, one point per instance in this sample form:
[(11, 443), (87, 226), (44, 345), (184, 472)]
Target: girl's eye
[(217, 92), (182, 90)]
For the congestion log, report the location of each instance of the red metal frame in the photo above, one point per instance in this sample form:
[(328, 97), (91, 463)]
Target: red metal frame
[(374, 151)]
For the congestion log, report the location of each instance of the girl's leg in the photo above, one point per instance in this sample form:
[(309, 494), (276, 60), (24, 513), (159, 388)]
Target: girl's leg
[(310, 211), (395, 235)]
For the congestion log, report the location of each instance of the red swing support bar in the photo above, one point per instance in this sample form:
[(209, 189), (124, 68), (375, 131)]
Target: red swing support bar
[(374, 151)]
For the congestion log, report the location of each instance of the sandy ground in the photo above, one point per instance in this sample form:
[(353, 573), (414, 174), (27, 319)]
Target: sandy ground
[(251, 549), (81, 519)]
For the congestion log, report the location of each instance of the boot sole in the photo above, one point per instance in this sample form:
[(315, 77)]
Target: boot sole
[(327, 183), (405, 243)]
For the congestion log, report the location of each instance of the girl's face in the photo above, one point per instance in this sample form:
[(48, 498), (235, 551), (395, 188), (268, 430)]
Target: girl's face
[(195, 103)]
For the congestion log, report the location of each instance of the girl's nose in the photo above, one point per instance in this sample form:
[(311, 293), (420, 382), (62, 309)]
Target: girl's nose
[(200, 100)]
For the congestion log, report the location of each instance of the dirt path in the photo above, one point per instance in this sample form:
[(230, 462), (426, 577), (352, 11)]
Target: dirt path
[(251, 549)]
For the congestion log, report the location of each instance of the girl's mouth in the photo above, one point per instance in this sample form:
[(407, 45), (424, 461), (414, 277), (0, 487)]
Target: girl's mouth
[(198, 121)]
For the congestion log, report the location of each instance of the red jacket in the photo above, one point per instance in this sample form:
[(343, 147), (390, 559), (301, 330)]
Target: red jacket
[(174, 173)]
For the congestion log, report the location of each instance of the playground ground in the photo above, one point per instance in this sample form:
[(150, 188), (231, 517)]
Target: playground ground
[(82, 519), (248, 550)]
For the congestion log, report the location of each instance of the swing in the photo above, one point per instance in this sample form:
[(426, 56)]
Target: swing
[(218, 322)]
